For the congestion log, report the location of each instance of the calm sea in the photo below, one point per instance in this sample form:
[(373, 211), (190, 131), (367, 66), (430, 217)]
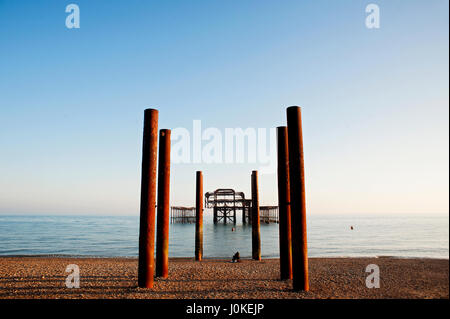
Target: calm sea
[(107, 236)]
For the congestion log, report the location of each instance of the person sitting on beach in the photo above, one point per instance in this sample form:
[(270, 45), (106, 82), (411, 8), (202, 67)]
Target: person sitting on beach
[(236, 258)]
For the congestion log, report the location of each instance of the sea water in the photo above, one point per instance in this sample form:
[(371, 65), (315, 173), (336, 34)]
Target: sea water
[(328, 236)]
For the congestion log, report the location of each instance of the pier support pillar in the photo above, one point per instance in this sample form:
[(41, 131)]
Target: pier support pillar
[(297, 196), (162, 233), (148, 198), (256, 239), (284, 208), (199, 217)]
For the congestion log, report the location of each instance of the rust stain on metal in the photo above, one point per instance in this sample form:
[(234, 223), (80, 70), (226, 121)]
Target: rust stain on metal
[(162, 234), (297, 196), (148, 198), (284, 207)]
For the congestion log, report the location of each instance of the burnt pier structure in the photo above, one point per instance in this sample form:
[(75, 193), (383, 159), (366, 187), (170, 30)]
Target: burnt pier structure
[(227, 202)]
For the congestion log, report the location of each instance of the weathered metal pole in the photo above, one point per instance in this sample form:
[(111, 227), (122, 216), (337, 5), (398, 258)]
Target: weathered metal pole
[(162, 233), (297, 195), (284, 208), (199, 217), (256, 239), (148, 197)]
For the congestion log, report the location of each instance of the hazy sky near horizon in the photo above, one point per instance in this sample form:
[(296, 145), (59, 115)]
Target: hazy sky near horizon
[(375, 102)]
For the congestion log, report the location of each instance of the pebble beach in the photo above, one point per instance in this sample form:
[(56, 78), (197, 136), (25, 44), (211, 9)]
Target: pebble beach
[(342, 278)]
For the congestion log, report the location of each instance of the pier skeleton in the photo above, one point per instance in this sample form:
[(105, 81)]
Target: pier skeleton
[(183, 215), (226, 202)]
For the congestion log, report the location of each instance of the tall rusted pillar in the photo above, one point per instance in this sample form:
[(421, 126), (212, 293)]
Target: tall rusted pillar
[(256, 238), (162, 233), (284, 208), (148, 198), (199, 217), (297, 195)]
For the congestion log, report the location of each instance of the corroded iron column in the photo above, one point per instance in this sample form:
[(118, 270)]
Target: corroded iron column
[(148, 198), (297, 195), (256, 238), (284, 208), (199, 217), (162, 234)]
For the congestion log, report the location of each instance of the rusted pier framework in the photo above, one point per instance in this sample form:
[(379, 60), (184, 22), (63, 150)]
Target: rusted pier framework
[(225, 203), (268, 214), (183, 215)]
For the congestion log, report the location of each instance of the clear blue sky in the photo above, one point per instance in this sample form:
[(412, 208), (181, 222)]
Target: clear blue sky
[(375, 101)]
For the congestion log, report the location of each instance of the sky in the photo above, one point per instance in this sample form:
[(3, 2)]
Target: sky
[(375, 102)]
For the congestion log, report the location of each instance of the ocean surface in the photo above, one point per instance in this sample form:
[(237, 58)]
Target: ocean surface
[(328, 235)]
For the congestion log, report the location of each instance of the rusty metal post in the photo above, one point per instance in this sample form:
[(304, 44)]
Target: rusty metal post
[(256, 238), (162, 233), (148, 198), (199, 217), (297, 195), (284, 208)]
